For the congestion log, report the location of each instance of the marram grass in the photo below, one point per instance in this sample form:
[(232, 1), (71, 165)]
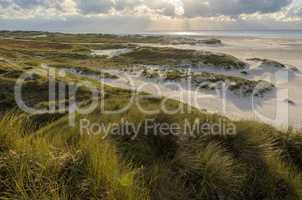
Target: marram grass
[(56, 162)]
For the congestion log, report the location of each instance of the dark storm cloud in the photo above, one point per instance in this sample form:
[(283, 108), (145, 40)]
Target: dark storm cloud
[(196, 8)]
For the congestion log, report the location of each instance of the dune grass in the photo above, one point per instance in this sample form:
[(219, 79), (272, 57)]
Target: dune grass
[(175, 57), (42, 157), (57, 162), (54, 161), (33, 166)]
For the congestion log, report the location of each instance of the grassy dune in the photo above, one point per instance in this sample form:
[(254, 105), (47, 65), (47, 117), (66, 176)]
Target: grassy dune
[(178, 57), (42, 157), (57, 162), (62, 51)]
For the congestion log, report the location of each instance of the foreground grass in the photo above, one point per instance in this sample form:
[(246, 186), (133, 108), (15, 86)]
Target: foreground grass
[(38, 167), (57, 162)]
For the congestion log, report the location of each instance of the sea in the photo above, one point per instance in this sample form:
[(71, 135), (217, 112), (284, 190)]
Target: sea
[(292, 34)]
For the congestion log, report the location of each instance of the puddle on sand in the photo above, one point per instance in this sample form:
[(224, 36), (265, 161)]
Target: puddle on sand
[(110, 52)]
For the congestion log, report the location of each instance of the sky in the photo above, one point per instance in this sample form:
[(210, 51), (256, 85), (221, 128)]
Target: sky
[(133, 16)]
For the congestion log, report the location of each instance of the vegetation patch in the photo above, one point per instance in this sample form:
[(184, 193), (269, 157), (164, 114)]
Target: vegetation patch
[(267, 62), (212, 81), (85, 71), (179, 57)]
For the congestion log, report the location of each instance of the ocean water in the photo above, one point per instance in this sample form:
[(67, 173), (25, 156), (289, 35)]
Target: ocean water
[(295, 34)]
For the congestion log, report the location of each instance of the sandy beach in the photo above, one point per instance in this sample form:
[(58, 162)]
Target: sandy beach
[(273, 110)]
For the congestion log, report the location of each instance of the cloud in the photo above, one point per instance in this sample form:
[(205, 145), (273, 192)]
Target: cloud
[(30, 4), (94, 6), (212, 8), (27, 4), (22, 4), (130, 15), (164, 7), (96, 24), (295, 12), (161, 7), (4, 3), (192, 8), (34, 8)]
